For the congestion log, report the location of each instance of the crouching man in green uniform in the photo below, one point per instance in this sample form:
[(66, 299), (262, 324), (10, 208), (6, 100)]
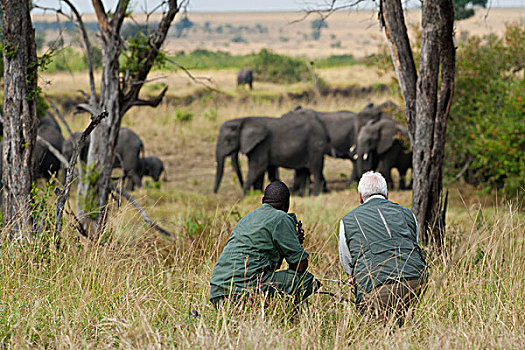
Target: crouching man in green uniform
[(256, 248), (378, 248)]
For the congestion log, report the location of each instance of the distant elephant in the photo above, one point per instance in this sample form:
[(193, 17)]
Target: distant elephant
[(49, 120), (293, 143), (381, 146), (151, 166), (127, 154), (245, 76), (46, 162)]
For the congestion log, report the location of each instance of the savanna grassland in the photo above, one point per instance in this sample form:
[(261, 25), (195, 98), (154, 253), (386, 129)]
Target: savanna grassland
[(135, 289)]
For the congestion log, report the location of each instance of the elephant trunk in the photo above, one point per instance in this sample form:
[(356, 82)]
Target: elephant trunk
[(364, 164), (219, 172)]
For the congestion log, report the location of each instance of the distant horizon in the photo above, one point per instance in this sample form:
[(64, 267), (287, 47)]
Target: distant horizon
[(239, 6)]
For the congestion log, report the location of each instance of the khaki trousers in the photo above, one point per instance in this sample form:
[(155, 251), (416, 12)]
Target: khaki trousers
[(389, 300)]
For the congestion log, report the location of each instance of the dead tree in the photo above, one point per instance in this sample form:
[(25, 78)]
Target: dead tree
[(428, 97), (118, 93), (19, 129)]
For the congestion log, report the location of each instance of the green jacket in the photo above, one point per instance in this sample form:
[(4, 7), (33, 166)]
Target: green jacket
[(257, 245), (381, 237)]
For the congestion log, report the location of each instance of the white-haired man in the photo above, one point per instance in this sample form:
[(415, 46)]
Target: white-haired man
[(378, 248)]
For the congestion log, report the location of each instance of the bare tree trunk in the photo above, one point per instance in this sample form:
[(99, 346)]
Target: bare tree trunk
[(19, 129), (116, 97), (101, 154), (427, 110)]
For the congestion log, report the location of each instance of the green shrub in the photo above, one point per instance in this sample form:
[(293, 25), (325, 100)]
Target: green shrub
[(67, 59), (277, 68), (183, 116), (485, 137)]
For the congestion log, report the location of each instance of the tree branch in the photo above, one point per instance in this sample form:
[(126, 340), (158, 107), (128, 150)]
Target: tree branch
[(102, 19), (53, 150), (392, 17), (154, 102), (123, 193), (148, 57), (60, 116), (89, 51), (62, 198)]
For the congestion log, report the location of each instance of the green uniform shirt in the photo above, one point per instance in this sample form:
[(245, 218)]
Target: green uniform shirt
[(257, 245)]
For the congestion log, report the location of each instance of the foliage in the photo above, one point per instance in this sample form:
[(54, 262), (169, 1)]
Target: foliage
[(134, 55), (183, 116), (487, 128), (277, 68), (462, 12), (67, 59)]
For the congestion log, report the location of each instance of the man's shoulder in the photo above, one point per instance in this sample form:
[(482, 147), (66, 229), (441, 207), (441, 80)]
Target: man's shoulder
[(268, 212), (376, 202)]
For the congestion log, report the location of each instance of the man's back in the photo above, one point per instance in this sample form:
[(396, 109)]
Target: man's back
[(381, 237), (257, 245)]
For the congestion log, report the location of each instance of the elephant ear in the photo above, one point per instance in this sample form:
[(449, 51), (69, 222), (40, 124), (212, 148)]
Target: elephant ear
[(252, 133), (387, 134)]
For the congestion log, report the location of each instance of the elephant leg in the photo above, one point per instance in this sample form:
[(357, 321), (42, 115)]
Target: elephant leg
[(273, 173), (353, 177), (385, 168), (257, 165), (317, 171), (325, 184), (259, 182), (402, 174), (299, 181)]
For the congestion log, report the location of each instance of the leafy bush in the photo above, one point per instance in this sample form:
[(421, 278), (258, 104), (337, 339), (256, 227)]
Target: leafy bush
[(67, 59), (277, 68), (486, 129), (183, 116)]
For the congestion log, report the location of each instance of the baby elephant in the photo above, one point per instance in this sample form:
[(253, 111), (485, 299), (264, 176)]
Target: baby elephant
[(151, 166)]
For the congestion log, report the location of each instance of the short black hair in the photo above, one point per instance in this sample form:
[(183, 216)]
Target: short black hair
[(277, 195)]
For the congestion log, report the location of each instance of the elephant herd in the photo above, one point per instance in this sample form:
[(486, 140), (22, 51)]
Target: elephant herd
[(299, 140), (128, 154)]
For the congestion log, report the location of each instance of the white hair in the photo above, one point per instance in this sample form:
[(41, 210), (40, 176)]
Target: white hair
[(372, 183)]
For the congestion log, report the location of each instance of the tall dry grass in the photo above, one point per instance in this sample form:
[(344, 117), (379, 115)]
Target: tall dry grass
[(134, 289), (137, 290)]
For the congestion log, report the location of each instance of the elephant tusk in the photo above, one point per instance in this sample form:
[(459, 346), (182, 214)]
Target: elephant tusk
[(365, 156), (352, 149), (355, 157)]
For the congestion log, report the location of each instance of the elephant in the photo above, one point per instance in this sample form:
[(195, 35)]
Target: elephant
[(293, 143), (381, 146), (127, 154), (49, 120), (46, 162), (342, 128), (151, 166), (245, 76)]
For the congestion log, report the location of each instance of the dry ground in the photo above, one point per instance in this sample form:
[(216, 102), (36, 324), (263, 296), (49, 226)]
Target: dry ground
[(349, 32)]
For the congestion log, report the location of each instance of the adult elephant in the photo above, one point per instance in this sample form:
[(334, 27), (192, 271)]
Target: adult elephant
[(46, 163), (245, 76), (293, 143), (342, 128), (127, 154), (381, 145)]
